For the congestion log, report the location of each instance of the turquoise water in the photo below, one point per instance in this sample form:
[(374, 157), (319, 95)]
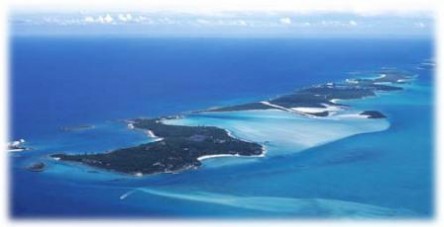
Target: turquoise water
[(285, 132), (314, 168), (390, 169)]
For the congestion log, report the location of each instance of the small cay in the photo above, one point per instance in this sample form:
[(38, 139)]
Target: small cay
[(36, 167), (373, 114), (17, 145)]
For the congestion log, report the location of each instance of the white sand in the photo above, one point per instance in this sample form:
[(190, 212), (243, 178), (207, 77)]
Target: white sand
[(151, 134), (276, 106), (311, 110), (351, 81), (14, 145), (16, 150), (285, 132), (217, 156), (201, 158), (381, 76), (351, 116), (305, 110)]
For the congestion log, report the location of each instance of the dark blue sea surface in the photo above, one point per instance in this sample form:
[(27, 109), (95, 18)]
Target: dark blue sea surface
[(66, 82)]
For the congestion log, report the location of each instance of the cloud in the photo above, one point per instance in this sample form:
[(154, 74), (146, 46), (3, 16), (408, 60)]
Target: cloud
[(169, 21), (420, 25), (89, 19), (339, 23), (242, 23), (330, 23), (231, 22), (362, 6), (285, 20), (353, 23), (107, 19), (125, 17), (203, 21)]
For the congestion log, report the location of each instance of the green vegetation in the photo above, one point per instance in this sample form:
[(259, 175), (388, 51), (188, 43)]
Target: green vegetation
[(248, 106), (320, 95), (179, 149)]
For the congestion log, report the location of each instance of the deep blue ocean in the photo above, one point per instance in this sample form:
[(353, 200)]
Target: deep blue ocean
[(64, 82)]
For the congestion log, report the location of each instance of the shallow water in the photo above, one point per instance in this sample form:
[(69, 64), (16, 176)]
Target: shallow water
[(285, 132)]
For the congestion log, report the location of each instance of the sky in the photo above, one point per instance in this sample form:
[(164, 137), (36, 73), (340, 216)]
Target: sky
[(239, 18), (362, 6)]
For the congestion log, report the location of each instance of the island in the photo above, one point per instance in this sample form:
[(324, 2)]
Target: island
[(17, 145), (318, 100), (177, 148), (36, 167), (372, 114)]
